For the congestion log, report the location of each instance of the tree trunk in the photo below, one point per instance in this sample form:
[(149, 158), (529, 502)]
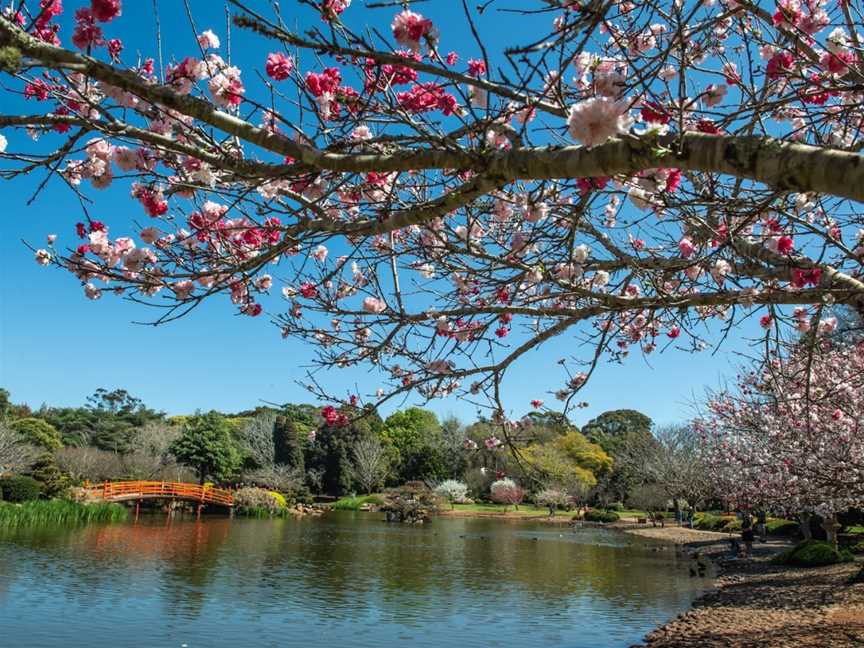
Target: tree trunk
[(804, 524)]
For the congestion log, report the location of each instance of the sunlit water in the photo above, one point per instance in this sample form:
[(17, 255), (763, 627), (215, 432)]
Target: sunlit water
[(342, 580)]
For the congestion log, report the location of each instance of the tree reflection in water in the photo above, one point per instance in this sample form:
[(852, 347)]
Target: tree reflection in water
[(346, 578)]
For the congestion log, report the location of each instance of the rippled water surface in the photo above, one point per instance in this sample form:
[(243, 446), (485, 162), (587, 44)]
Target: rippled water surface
[(342, 580)]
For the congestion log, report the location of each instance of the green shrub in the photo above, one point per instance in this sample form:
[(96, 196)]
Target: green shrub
[(280, 499), (711, 522), (258, 502), (732, 526), (18, 488), (812, 553), (297, 495), (601, 516), (857, 548), (617, 506), (354, 503), (45, 470), (781, 527)]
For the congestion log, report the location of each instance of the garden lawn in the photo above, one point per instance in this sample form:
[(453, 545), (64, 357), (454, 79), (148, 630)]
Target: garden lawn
[(524, 509)]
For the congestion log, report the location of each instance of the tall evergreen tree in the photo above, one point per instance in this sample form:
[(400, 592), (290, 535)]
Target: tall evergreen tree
[(289, 444), (207, 448)]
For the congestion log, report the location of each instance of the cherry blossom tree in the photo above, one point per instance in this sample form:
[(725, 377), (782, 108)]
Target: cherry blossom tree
[(452, 490), (436, 209), (788, 437)]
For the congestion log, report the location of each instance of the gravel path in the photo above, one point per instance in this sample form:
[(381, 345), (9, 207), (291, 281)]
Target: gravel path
[(759, 605), (677, 535)]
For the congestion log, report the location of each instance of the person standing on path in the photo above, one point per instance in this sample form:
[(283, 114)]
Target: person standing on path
[(761, 526)]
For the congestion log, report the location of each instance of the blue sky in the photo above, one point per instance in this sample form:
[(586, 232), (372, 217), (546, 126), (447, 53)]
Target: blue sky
[(57, 347)]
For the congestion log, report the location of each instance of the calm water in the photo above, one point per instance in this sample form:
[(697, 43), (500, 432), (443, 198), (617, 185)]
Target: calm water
[(342, 580)]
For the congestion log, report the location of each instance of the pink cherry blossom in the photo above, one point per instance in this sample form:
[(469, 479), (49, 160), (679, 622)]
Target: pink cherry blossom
[(105, 10), (773, 439), (686, 247), (92, 292), (714, 94), (489, 201), (226, 87), (410, 28), (374, 305), (264, 283), (208, 40), (785, 245), (330, 9), (593, 121), (492, 443), (279, 66), (87, 33), (183, 289), (320, 253)]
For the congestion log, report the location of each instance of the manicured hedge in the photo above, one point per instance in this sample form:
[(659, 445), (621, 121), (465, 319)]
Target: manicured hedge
[(813, 553), (781, 527), (710, 522), (728, 523)]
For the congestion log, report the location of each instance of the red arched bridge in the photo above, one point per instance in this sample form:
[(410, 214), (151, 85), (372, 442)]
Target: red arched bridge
[(140, 490)]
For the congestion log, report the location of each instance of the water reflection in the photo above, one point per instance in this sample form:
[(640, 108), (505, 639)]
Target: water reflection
[(345, 579)]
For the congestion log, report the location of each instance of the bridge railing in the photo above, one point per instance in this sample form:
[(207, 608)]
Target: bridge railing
[(169, 490)]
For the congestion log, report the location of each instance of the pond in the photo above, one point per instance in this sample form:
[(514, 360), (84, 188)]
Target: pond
[(344, 579)]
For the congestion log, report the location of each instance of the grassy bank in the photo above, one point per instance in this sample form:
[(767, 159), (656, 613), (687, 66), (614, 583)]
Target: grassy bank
[(354, 503), (481, 508), (59, 512), (500, 509)]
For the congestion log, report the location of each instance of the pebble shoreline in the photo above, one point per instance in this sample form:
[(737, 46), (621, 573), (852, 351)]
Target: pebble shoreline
[(755, 604)]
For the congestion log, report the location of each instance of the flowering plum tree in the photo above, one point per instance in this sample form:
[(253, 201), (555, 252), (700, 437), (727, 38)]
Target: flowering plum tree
[(789, 437), (507, 491), (621, 177)]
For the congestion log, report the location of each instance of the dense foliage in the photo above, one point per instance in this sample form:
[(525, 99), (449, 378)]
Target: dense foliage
[(296, 450), (19, 488), (206, 447), (38, 432)]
